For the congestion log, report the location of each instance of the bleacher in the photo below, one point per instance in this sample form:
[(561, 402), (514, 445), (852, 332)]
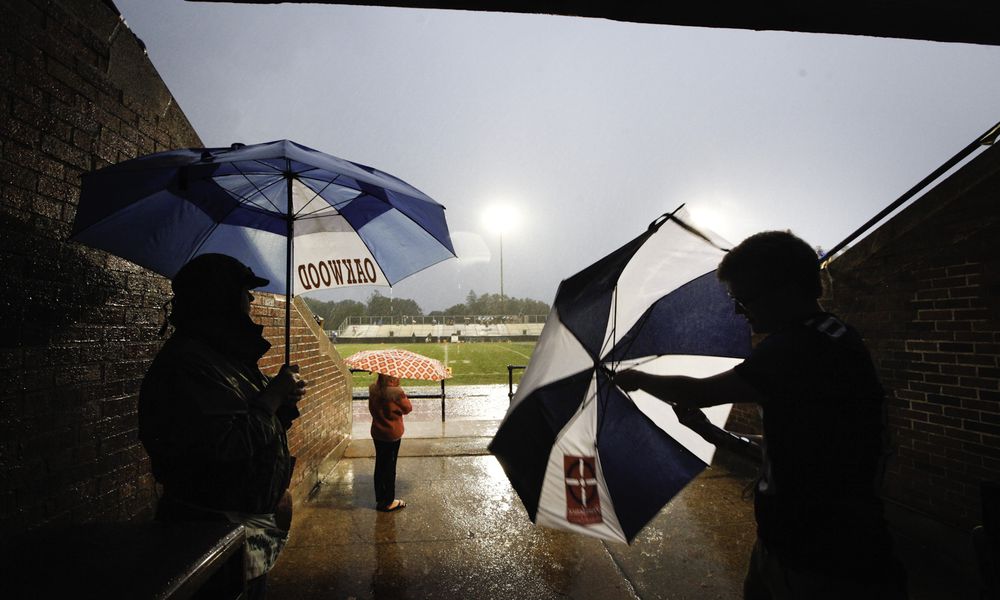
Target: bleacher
[(425, 329)]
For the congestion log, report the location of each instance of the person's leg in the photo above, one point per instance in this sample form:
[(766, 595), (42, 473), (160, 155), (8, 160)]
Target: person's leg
[(754, 585), (815, 586), (392, 469), (779, 582), (386, 454), (257, 588), (383, 493)]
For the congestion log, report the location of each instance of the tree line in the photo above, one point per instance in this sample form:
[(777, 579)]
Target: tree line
[(334, 312)]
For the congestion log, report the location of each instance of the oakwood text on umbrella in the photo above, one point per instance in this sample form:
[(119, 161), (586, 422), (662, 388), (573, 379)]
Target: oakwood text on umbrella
[(317, 275)]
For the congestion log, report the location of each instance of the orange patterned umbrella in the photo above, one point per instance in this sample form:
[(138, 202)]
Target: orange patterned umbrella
[(398, 363)]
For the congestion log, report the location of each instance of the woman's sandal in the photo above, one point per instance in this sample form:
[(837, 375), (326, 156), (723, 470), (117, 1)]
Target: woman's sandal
[(395, 505)]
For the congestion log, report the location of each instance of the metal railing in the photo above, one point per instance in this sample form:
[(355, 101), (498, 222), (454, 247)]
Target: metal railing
[(446, 320), (510, 380), (442, 395)]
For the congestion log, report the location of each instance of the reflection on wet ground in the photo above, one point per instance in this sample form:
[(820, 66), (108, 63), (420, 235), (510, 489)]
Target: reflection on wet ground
[(465, 533)]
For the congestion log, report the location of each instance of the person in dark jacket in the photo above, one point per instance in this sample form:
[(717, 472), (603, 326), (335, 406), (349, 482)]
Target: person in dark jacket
[(213, 424), (820, 526)]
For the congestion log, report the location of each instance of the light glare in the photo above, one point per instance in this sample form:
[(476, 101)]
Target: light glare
[(501, 218)]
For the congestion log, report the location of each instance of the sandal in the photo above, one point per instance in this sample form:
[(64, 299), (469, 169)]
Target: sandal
[(393, 506)]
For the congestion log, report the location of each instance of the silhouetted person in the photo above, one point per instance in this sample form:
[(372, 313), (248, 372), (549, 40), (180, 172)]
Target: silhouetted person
[(820, 526), (387, 403), (214, 425)]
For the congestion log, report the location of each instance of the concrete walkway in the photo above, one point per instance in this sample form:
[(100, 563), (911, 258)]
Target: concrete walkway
[(465, 534)]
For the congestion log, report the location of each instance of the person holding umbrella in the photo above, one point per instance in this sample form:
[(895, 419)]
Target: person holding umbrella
[(821, 532), (214, 425), (387, 403)]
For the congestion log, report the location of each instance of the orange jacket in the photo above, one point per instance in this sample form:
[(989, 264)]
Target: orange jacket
[(387, 408)]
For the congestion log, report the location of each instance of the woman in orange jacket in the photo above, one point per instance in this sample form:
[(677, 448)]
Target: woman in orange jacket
[(387, 403)]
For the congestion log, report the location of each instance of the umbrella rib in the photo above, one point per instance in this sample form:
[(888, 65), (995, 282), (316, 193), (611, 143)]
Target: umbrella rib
[(241, 202), (638, 326), (609, 380), (215, 225), (259, 190), (317, 194)]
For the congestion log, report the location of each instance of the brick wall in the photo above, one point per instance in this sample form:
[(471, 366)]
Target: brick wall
[(923, 290), (79, 327), (324, 426)]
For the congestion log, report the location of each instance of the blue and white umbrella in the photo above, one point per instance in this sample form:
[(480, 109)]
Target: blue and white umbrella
[(582, 454), (300, 218)]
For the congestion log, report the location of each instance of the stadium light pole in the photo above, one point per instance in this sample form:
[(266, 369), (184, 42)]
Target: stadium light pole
[(501, 218), (501, 270)]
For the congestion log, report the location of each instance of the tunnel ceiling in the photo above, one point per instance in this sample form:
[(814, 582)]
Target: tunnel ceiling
[(971, 21)]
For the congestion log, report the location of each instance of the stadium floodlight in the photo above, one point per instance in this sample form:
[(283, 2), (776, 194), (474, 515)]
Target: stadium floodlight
[(502, 218)]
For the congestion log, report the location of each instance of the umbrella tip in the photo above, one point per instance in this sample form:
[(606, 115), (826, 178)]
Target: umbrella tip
[(660, 220)]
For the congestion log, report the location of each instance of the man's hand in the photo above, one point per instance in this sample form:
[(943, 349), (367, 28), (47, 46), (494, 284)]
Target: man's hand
[(691, 417), (292, 383), (630, 379), (287, 387)]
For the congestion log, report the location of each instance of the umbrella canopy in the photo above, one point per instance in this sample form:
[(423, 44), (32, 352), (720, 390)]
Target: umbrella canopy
[(300, 218), (398, 363), (583, 455)]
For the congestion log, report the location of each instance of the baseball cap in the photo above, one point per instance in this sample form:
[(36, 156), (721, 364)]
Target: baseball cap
[(214, 271)]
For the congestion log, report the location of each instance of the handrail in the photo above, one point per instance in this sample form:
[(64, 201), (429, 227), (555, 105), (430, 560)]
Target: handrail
[(510, 380), (986, 139), (441, 395)]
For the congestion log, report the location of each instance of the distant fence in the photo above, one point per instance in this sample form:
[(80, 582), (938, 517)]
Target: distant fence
[(470, 328), (447, 320)]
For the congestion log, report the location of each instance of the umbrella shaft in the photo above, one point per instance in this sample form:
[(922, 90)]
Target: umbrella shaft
[(288, 267)]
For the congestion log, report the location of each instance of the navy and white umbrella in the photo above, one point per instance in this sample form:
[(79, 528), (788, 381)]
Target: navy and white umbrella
[(300, 218), (582, 454)]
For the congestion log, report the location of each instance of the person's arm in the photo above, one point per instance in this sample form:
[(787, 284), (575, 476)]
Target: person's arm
[(208, 418), (690, 392), (285, 388), (400, 399), (189, 415), (696, 420), (688, 395)]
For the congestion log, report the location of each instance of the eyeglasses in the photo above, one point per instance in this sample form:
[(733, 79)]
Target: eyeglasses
[(741, 303)]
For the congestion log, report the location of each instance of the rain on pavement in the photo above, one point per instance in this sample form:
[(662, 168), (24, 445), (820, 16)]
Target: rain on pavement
[(465, 533)]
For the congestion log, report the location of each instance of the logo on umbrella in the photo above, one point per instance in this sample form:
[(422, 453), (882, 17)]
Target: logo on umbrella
[(334, 272), (583, 504)]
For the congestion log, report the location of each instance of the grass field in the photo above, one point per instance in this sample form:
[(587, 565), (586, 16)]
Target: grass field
[(476, 363)]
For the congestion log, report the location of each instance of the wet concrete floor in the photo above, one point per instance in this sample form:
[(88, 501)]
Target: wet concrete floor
[(464, 533)]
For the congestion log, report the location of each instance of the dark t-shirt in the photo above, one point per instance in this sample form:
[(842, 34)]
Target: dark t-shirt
[(823, 411)]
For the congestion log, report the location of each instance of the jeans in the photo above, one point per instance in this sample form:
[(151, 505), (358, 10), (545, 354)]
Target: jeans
[(385, 472)]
